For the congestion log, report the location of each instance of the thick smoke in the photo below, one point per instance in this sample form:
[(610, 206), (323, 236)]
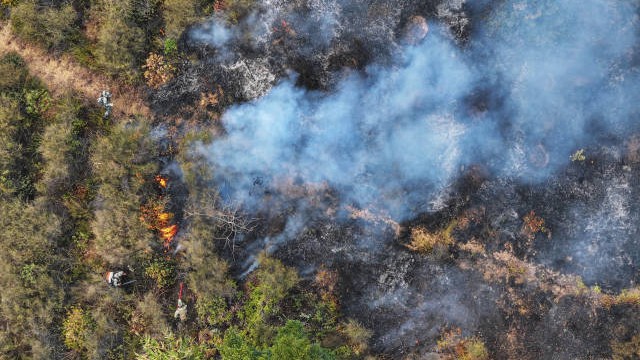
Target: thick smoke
[(549, 78), (533, 82), (563, 71), (376, 139)]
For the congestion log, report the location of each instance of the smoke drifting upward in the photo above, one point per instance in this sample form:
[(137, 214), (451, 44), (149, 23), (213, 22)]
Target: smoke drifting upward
[(537, 81), (564, 70), (375, 138), (524, 86)]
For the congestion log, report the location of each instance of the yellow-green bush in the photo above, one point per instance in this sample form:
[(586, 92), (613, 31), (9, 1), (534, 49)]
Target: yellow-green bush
[(76, 328)]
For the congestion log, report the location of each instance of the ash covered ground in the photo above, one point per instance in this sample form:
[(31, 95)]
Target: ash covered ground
[(510, 125)]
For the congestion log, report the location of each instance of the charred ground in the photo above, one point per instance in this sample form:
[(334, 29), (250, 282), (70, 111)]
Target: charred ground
[(338, 179)]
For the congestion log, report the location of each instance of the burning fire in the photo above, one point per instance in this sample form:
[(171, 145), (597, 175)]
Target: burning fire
[(167, 233), (155, 218), (164, 217), (162, 181)]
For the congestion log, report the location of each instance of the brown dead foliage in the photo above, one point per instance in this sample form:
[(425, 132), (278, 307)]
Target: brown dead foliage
[(533, 224), (157, 70), (370, 216), (326, 281), (453, 346), (425, 241)]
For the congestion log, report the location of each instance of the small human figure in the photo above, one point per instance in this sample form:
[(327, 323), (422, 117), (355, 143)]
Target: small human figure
[(105, 101), (114, 278), (181, 310)]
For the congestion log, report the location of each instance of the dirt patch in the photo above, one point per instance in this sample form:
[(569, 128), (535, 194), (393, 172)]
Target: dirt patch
[(62, 73)]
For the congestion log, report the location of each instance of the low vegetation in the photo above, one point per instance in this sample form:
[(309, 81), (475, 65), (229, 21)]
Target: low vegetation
[(626, 350), (81, 195), (426, 242), (124, 39), (452, 345)]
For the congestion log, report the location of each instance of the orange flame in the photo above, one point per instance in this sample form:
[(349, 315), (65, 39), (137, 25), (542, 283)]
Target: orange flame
[(164, 217), (154, 217), (167, 233), (162, 181)]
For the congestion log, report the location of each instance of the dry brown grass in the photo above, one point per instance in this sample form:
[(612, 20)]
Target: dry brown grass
[(452, 345), (61, 74), (504, 267), (473, 247), (633, 149), (623, 350), (629, 297), (533, 224), (425, 242), (373, 217)]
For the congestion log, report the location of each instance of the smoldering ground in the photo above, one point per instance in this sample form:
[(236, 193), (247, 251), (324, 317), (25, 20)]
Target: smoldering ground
[(392, 137), (531, 83)]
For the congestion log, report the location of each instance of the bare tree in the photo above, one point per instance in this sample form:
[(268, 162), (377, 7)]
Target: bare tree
[(228, 220)]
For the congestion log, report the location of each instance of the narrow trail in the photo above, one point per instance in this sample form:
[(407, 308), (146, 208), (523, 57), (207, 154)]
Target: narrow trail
[(61, 74)]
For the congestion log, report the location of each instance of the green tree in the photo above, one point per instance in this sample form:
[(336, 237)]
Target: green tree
[(55, 149), (13, 72), (10, 119), (148, 318), (180, 14), (123, 164), (29, 270), (121, 44), (236, 346), (208, 275), (268, 287), (292, 342), (21, 130), (77, 327), (213, 311), (49, 26)]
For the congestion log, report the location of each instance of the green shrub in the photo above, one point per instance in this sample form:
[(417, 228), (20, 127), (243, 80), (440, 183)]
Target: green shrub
[(162, 272), (357, 336), (76, 328), (235, 346), (170, 47), (37, 101), (213, 311), (292, 342), (29, 273), (171, 347), (51, 27)]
